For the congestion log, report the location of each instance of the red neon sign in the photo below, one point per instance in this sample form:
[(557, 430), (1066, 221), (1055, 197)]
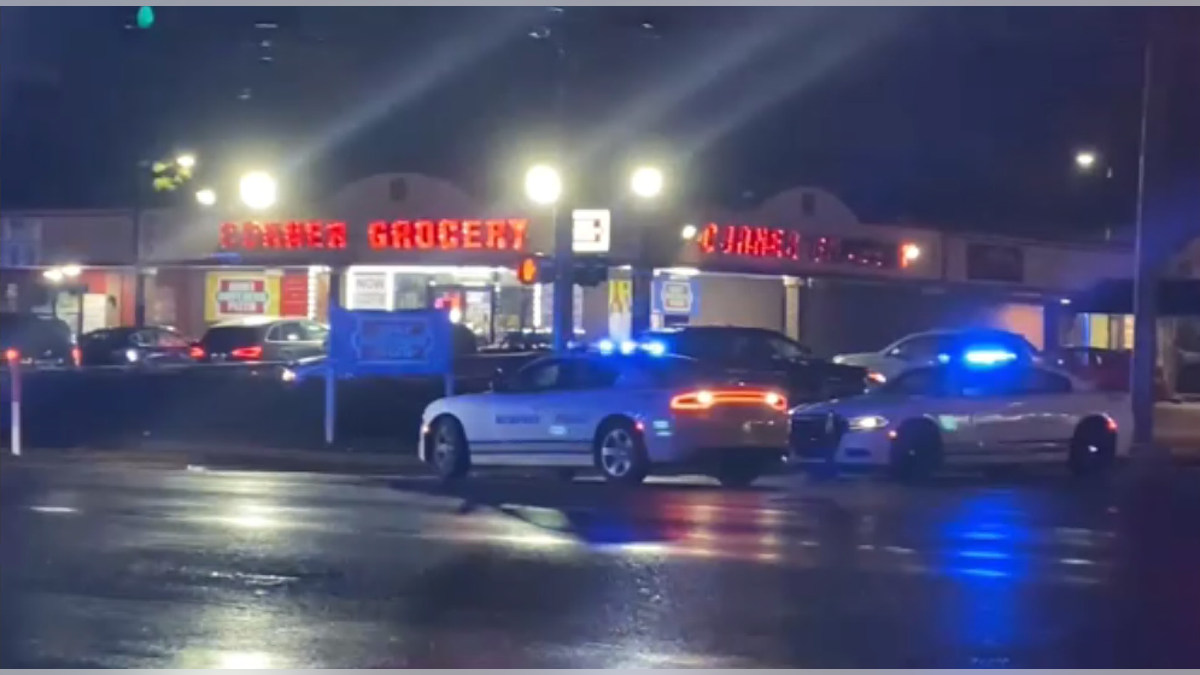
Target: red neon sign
[(750, 241), (499, 234), (312, 234)]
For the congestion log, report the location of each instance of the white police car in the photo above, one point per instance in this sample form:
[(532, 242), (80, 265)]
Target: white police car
[(924, 349), (984, 405), (627, 415)]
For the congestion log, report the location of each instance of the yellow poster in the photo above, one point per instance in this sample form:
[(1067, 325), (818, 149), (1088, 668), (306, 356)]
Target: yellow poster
[(620, 308), (230, 295)]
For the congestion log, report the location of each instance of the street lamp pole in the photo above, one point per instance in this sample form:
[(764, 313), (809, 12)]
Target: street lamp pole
[(139, 281), (563, 298)]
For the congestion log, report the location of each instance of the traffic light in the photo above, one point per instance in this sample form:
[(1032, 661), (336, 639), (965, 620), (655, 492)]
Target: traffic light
[(587, 270), (535, 270)]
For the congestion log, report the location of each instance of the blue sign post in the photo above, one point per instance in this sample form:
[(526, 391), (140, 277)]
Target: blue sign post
[(402, 343)]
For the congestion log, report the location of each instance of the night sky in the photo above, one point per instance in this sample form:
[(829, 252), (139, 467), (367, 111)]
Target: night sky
[(961, 118)]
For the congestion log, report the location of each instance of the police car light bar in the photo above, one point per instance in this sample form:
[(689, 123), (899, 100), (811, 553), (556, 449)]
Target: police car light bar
[(608, 346), (988, 357)]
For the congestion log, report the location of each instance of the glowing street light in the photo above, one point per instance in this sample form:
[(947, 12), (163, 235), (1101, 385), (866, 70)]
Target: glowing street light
[(258, 190), (206, 197), (543, 184), (1086, 160), (688, 232), (186, 161), (646, 182)]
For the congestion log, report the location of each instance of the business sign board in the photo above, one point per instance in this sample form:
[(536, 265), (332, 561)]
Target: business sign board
[(408, 342), (591, 231), (676, 297)]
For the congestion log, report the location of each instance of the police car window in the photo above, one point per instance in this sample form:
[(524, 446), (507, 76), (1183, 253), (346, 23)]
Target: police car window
[(1038, 381), (590, 374), (539, 376), (988, 383), (920, 382)]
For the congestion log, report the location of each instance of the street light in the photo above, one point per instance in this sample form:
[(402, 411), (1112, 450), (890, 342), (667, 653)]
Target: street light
[(206, 197), (543, 184), (688, 232), (258, 190), (646, 182), (186, 161), (1085, 160)]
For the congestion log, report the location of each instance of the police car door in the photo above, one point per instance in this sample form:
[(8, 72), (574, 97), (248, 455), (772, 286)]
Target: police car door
[(521, 414), (576, 412)]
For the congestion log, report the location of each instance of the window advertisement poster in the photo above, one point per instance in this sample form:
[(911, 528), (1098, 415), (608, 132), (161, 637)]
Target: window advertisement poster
[(293, 294), (232, 295), (368, 290)]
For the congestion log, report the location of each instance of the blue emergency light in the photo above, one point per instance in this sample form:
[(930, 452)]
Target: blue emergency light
[(987, 357), (608, 346)]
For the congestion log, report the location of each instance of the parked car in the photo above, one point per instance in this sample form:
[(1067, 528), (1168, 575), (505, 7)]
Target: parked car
[(1105, 369), (931, 347), (763, 354), (261, 340), (37, 341), (523, 341), (131, 346)]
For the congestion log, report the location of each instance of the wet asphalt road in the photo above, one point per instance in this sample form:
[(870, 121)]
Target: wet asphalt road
[(165, 568)]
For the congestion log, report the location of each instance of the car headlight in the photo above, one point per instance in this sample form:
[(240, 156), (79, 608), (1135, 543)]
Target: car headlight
[(131, 355), (838, 359), (867, 423)]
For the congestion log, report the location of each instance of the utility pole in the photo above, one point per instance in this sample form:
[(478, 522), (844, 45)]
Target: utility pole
[(1168, 212)]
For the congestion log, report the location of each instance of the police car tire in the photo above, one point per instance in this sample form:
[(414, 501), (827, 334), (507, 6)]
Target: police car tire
[(1093, 448), (916, 451), (460, 460), (639, 463)]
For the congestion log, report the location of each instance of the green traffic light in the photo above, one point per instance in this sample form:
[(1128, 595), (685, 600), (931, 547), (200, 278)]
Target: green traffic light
[(145, 17)]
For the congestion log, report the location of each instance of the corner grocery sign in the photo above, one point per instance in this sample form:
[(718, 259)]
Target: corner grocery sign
[(229, 296)]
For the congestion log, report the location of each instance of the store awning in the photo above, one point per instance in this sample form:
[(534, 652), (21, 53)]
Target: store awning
[(1176, 297)]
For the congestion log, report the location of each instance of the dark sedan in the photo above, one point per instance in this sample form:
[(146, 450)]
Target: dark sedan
[(140, 347), (765, 354)]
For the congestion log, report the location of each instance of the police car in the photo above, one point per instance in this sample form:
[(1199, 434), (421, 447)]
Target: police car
[(983, 405), (626, 413)]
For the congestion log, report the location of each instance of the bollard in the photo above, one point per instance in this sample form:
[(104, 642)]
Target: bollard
[(13, 357)]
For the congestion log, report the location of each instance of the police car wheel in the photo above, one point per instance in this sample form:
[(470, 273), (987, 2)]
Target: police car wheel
[(448, 449), (916, 450), (621, 453), (1093, 448)]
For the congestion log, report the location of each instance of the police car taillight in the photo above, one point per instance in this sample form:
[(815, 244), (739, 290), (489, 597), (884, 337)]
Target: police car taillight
[(705, 399)]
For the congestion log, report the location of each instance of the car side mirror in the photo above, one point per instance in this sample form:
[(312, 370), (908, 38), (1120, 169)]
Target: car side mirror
[(500, 382)]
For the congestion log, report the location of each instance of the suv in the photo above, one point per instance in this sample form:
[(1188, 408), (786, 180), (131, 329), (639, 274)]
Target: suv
[(38, 340), (261, 340), (765, 355)]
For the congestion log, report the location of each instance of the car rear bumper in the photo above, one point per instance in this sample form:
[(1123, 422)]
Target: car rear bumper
[(691, 441)]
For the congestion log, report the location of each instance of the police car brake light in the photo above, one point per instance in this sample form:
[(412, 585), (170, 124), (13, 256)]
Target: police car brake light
[(704, 399)]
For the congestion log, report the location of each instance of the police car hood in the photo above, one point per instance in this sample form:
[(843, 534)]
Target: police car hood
[(866, 404)]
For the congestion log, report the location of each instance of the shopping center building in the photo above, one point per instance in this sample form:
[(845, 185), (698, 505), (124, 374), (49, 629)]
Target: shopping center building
[(801, 262)]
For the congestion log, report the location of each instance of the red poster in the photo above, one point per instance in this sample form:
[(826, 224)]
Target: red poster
[(293, 292)]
